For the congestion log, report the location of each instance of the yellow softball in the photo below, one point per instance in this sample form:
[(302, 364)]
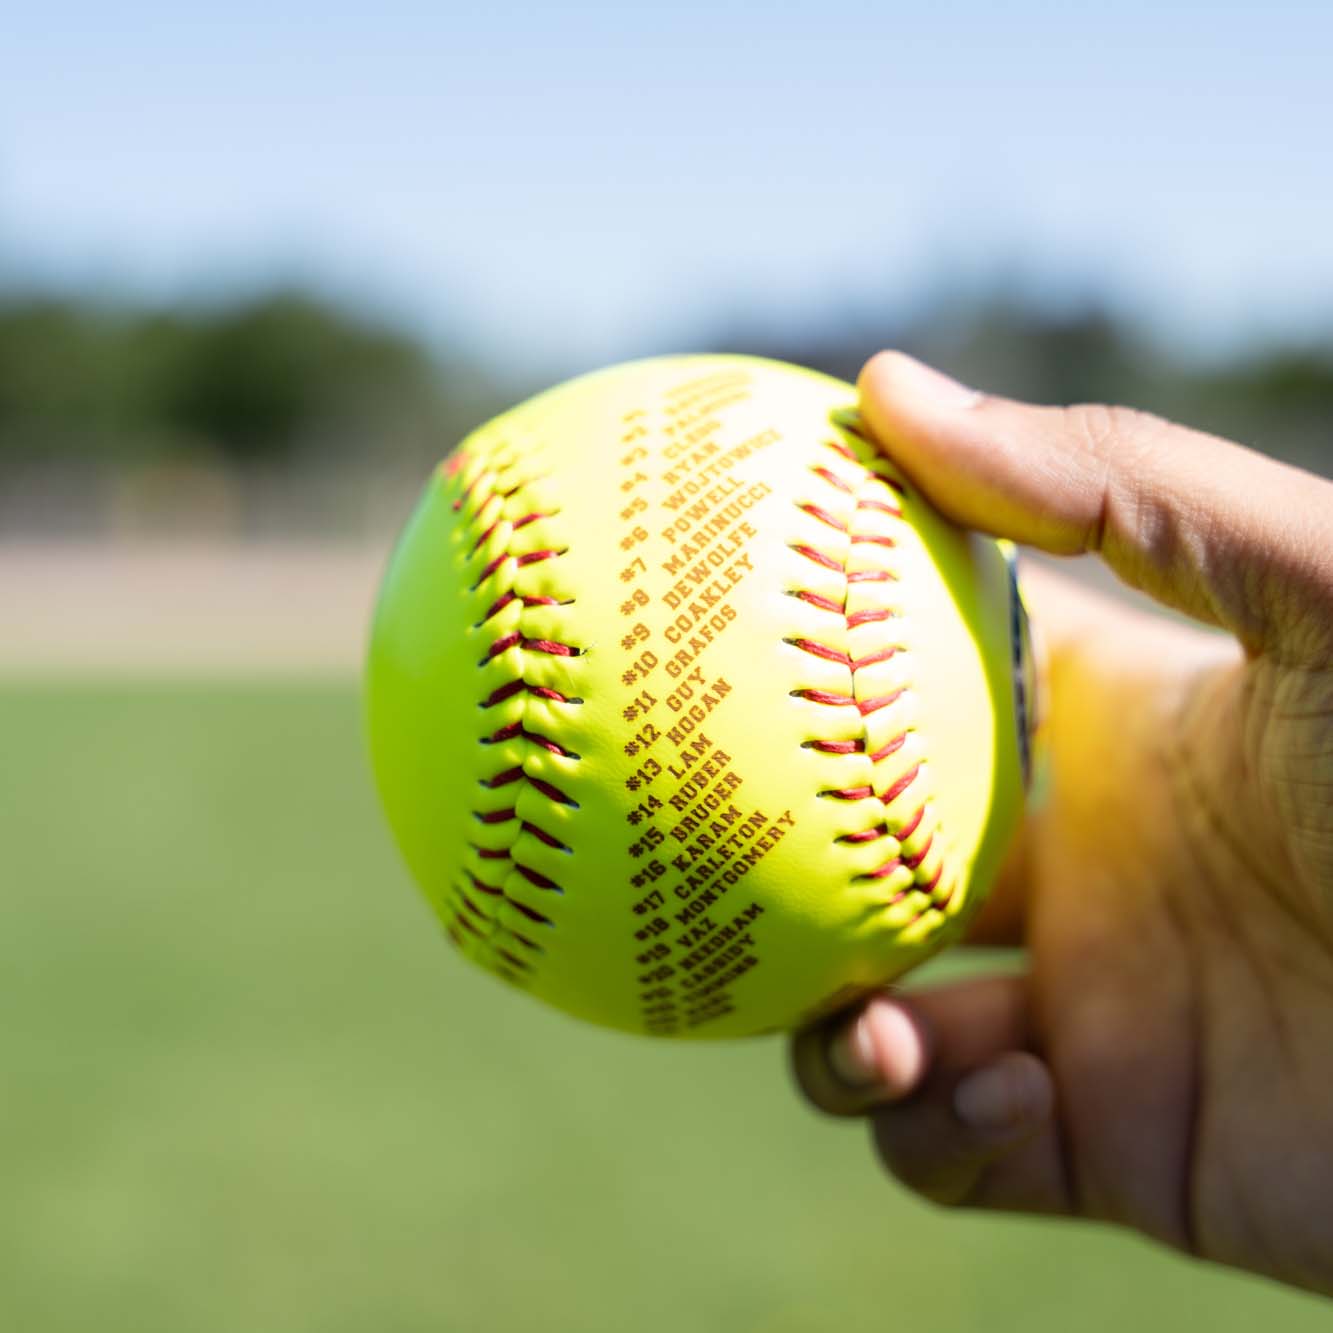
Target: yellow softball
[(690, 716)]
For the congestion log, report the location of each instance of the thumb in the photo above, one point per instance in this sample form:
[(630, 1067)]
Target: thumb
[(1204, 526)]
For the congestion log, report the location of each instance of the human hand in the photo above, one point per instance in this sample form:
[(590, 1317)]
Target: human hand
[(1166, 1061)]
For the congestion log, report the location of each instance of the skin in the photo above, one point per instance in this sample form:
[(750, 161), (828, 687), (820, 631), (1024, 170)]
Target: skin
[(1166, 1061)]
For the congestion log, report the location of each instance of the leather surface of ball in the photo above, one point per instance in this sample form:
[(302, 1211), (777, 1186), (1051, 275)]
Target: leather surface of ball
[(689, 715)]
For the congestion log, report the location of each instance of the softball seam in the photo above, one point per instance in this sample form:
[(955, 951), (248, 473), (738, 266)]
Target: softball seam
[(908, 872), (512, 953)]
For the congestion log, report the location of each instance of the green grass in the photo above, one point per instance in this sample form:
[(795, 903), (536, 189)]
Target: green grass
[(246, 1086)]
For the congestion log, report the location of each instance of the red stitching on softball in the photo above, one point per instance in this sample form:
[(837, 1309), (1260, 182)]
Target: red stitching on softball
[(871, 616), (912, 824), (530, 912), (533, 517), (505, 691), (490, 569), (875, 658), (823, 516), (827, 561), (517, 731), (517, 640), (551, 791), (867, 706), (548, 744), (497, 606), (547, 789), (494, 890), (882, 872), (852, 425), (542, 836), (461, 920), (535, 557), (880, 506), (467, 490), (902, 784), (890, 747), (511, 596), (814, 599), (502, 645), (471, 906), (866, 835), (822, 697), (490, 853), (537, 878), (837, 655), (552, 646), (833, 479), (513, 687), (481, 541), (820, 650), (847, 793), (528, 558), (912, 862)]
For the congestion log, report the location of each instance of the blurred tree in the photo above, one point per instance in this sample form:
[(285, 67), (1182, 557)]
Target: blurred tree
[(1276, 399), (286, 376), (57, 379), (260, 381), (264, 379)]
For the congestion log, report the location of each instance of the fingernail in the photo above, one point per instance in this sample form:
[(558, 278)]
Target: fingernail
[(882, 1048), (851, 1054), (992, 1098), (929, 386)]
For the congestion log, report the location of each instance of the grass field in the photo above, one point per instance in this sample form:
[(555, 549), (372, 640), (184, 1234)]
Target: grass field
[(247, 1087)]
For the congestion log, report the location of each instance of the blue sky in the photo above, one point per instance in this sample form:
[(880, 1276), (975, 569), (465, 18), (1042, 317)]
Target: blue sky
[(566, 182)]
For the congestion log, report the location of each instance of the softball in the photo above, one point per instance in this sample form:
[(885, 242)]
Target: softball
[(690, 716)]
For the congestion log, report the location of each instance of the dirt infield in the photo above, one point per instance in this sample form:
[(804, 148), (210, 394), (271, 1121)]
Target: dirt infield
[(184, 609)]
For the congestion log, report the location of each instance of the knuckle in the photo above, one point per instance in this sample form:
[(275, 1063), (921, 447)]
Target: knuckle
[(1116, 444), (1105, 429)]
